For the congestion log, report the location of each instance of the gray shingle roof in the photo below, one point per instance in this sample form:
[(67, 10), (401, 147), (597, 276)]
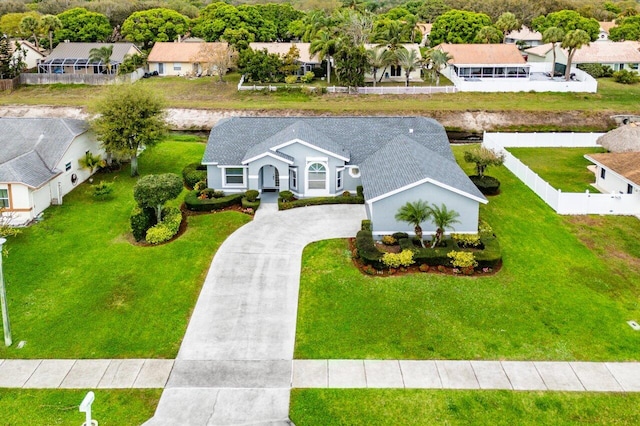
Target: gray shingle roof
[(81, 50), (30, 148), (392, 151)]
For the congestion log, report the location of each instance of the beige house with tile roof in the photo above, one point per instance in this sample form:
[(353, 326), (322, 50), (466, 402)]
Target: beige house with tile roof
[(525, 36), (182, 59), (307, 61)]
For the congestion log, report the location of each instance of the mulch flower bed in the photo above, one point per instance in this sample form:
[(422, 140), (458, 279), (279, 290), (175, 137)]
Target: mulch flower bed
[(413, 269)]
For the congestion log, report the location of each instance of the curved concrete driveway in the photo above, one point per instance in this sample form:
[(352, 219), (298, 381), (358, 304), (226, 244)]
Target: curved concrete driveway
[(235, 362)]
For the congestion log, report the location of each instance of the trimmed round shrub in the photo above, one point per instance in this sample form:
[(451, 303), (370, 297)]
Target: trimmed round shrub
[(346, 194), (400, 235), (165, 230), (360, 191), (488, 185), (194, 173), (286, 195), (251, 195), (141, 220)]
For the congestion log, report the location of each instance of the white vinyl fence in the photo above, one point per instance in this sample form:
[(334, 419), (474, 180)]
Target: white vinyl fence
[(562, 202)]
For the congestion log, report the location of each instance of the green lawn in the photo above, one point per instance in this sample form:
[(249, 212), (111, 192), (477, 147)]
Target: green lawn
[(332, 407), (78, 288), (562, 168), (554, 299), (60, 407), (208, 93)]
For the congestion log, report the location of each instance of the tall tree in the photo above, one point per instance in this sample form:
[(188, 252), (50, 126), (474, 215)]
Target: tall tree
[(457, 26), (351, 63), (149, 26), (627, 29), (102, 55), (378, 58), (573, 41), (216, 58), (506, 23), (553, 35), (443, 218), (79, 24), (153, 191), (129, 117), (325, 46), (568, 20), (489, 35), (10, 24), (31, 25), (409, 60), (50, 24), (438, 59), (414, 214)]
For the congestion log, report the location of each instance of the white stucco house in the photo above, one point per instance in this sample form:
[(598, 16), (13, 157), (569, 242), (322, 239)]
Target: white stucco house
[(31, 55), (617, 172), (39, 163), (524, 38), (617, 55), (395, 159)]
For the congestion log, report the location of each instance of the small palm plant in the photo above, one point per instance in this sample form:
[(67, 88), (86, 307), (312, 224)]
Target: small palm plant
[(91, 162), (102, 55), (414, 214), (443, 218)]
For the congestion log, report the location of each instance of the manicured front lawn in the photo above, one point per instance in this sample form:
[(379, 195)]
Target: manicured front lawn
[(60, 407), (78, 288), (562, 168), (554, 299), (456, 407)]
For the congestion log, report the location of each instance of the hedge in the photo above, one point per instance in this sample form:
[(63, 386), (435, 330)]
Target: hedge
[(490, 257), (141, 220), (194, 173), (165, 230), (246, 204), (367, 250), (317, 201), (192, 202), (488, 185)]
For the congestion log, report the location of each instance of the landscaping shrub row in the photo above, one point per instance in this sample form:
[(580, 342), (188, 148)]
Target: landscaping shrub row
[(194, 173), (165, 230), (192, 202), (490, 257), (316, 201)]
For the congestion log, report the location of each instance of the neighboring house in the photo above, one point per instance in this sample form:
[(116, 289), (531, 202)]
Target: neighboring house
[(395, 73), (617, 55), (605, 27), (524, 38), (39, 163), (425, 29), (73, 58), (307, 61), (502, 68), (617, 173), (395, 159), (486, 61), (32, 54), (186, 58)]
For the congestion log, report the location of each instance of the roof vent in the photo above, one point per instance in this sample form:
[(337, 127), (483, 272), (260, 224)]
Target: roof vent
[(410, 130)]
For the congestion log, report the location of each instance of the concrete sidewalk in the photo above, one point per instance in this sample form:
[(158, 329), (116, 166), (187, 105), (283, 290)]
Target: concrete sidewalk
[(84, 373), (509, 375)]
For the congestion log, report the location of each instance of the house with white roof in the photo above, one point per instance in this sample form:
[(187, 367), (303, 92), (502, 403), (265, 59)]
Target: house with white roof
[(617, 55), (39, 163), (395, 159), (524, 38)]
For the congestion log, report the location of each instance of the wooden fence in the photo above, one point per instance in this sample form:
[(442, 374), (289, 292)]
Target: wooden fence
[(9, 84)]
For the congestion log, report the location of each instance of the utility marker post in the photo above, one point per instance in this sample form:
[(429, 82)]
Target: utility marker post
[(85, 407)]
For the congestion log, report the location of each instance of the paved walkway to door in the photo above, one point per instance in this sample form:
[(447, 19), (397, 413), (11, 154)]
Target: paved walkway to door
[(235, 362)]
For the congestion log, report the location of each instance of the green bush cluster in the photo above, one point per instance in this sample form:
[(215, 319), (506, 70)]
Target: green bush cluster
[(367, 250), (246, 204), (102, 190), (165, 230), (308, 77), (194, 173), (141, 220), (388, 240), (192, 202), (467, 240), (251, 195), (489, 257), (462, 259), (317, 201), (626, 77), (286, 196), (596, 70), (488, 185), (360, 191), (366, 225), (396, 260), (399, 235)]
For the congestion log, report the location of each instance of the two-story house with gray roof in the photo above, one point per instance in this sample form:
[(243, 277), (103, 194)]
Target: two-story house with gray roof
[(39, 163), (395, 159)]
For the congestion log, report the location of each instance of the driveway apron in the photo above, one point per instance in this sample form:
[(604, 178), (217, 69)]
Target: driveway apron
[(235, 362)]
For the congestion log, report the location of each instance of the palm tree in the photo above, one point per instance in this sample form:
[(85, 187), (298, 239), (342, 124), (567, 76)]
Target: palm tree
[(573, 41), (438, 59), (378, 58), (553, 35), (30, 25), (102, 54), (488, 35), (506, 23), (409, 60), (414, 214), (325, 46), (50, 24), (443, 218)]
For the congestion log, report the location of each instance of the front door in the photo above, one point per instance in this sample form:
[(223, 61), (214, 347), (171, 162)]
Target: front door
[(161, 68), (269, 177)]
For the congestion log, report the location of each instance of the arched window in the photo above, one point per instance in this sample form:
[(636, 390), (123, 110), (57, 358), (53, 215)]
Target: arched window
[(317, 176)]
